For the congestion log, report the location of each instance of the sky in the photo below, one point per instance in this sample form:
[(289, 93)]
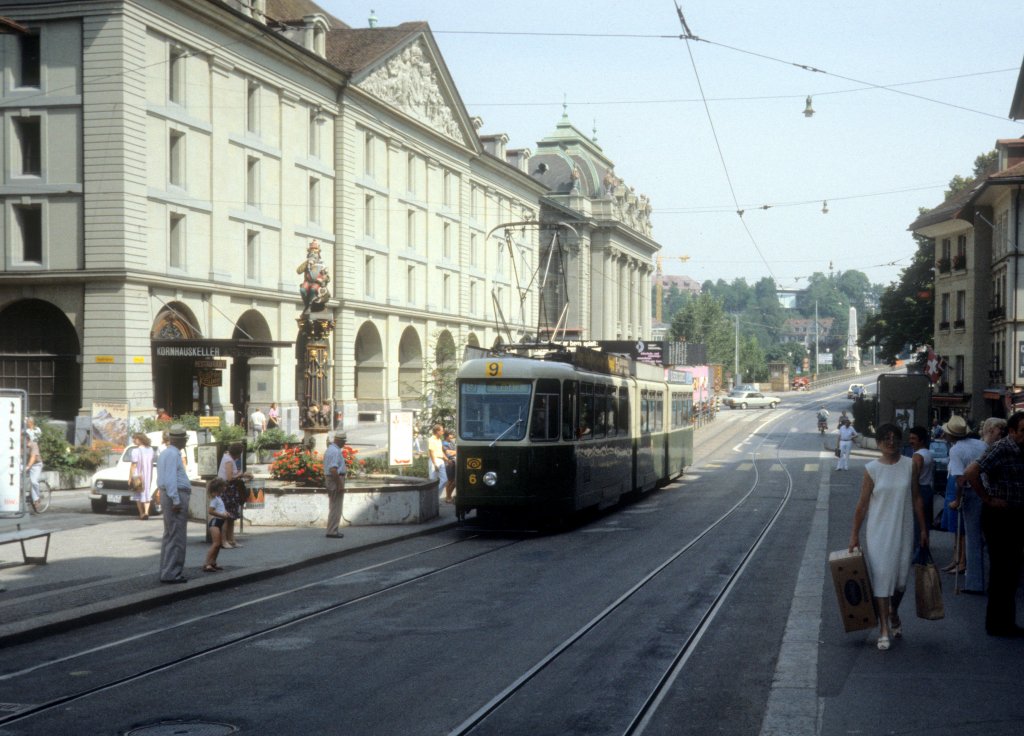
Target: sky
[(706, 128)]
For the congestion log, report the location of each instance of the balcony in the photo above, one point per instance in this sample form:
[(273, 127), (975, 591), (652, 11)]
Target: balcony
[(997, 312), (995, 377), (960, 263), (959, 324), (944, 264), (944, 325)]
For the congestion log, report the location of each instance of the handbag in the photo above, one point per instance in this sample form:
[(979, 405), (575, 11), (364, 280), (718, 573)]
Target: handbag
[(135, 483), (927, 587), (837, 452)]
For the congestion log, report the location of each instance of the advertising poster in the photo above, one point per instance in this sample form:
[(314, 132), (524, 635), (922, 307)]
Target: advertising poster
[(110, 423), (11, 452), (400, 438)]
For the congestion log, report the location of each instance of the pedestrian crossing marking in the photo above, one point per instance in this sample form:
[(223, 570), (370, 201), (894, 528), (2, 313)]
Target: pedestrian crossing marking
[(745, 466), (811, 467)]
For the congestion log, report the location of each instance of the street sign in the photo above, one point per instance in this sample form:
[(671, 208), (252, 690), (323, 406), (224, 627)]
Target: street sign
[(209, 421), (210, 379), (400, 438)]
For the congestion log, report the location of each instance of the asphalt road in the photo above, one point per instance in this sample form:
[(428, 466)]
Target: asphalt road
[(682, 596)]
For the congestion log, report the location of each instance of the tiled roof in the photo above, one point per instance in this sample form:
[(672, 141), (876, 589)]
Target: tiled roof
[(293, 10), (946, 211), (1015, 170), (354, 49)]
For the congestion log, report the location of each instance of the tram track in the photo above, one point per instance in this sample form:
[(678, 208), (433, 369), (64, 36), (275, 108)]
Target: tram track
[(721, 442), (53, 703), (639, 722)]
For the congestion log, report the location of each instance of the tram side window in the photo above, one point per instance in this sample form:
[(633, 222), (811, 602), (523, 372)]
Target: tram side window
[(623, 415), (585, 431), (658, 405), (644, 411), (569, 393), (612, 412), (545, 417)]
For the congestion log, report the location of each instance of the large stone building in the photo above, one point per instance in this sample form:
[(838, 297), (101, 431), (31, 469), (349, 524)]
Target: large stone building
[(168, 162), (165, 165)]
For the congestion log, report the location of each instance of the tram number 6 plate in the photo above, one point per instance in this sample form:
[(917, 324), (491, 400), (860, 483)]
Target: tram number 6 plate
[(494, 369)]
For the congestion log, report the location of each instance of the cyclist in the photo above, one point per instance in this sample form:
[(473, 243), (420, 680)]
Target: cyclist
[(822, 417), (34, 463)]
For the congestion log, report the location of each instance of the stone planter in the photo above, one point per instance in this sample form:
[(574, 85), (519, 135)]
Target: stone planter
[(368, 501)]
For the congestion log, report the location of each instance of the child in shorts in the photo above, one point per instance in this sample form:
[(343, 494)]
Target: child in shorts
[(218, 514)]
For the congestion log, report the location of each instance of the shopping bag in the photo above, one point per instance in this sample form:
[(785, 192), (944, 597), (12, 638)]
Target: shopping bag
[(927, 587), (853, 589)]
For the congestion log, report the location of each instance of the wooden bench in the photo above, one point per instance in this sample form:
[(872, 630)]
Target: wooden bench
[(21, 535)]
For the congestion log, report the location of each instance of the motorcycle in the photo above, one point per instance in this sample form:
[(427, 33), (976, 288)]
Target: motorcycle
[(822, 426)]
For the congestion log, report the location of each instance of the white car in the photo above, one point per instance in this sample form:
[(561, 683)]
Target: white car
[(855, 391), (751, 399), (110, 485)]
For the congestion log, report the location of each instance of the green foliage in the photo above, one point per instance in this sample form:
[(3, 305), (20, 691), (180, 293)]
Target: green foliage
[(378, 464), (905, 315), (66, 459), (298, 464), (703, 320), (438, 395), (152, 424), (273, 439), (225, 434)]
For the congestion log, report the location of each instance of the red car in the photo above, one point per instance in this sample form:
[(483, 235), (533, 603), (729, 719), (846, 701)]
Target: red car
[(801, 383)]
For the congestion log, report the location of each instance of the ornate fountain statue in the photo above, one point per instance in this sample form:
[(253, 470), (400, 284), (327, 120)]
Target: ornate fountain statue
[(314, 347)]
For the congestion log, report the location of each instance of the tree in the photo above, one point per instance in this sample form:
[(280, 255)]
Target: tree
[(906, 308), (703, 320)]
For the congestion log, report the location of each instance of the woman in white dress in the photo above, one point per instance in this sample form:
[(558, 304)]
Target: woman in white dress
[(889, 502), (142, 466)]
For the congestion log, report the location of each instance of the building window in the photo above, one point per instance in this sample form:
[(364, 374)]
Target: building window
[(410, 284), (499, 266), (446, 293), (29, 66), (176, 158), (474, 192), (368, 216), (29, 221), (472, 249), (474, 297), (446, 243), (28, 132), (959, 374), (446, 189), (314, 133), (961, 310), (944, 312), (176, 241), (252, 107), (368, 275), (499, 300), (410, 174), (314, 199), (410, 229), (252, 182), (176, 75), (368, 143), (252, 254)]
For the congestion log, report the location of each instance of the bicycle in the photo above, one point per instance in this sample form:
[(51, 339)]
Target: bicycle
[(45, 493)]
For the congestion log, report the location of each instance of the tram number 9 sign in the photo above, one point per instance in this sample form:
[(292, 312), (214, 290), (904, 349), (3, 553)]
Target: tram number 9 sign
[(494, 369)]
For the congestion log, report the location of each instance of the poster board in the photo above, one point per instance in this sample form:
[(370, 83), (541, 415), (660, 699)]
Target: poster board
[(110, 422), (12, 452), (400, 438)]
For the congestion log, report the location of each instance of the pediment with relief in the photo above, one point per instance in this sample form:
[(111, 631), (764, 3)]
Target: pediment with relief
[(409, 81)]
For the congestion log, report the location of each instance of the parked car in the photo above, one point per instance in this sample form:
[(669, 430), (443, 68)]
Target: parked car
[(110, 485), (855, 391), (801, 383), (751, 399)]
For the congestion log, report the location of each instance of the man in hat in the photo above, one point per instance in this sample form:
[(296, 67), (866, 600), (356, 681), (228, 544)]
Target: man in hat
[(175, 491), (1002, 519), (334, 479), (963, 450)]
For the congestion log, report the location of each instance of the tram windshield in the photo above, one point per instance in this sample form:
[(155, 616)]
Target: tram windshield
[(493, 410)]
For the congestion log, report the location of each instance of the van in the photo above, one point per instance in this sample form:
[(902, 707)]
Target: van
[(110, 485)]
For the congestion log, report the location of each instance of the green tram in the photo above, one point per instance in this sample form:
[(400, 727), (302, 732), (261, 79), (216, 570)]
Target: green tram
[(544, 438)]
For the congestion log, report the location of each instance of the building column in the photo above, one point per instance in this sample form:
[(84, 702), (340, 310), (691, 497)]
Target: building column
[(634, 298)]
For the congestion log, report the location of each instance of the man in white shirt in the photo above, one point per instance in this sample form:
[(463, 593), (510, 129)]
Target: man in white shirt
[(258, 422)]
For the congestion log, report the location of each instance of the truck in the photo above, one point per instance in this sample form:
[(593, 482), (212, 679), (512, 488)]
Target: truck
[(109, 486)]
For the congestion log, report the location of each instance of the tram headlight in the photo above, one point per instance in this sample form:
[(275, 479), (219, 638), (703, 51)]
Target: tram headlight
[(490, 478)]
